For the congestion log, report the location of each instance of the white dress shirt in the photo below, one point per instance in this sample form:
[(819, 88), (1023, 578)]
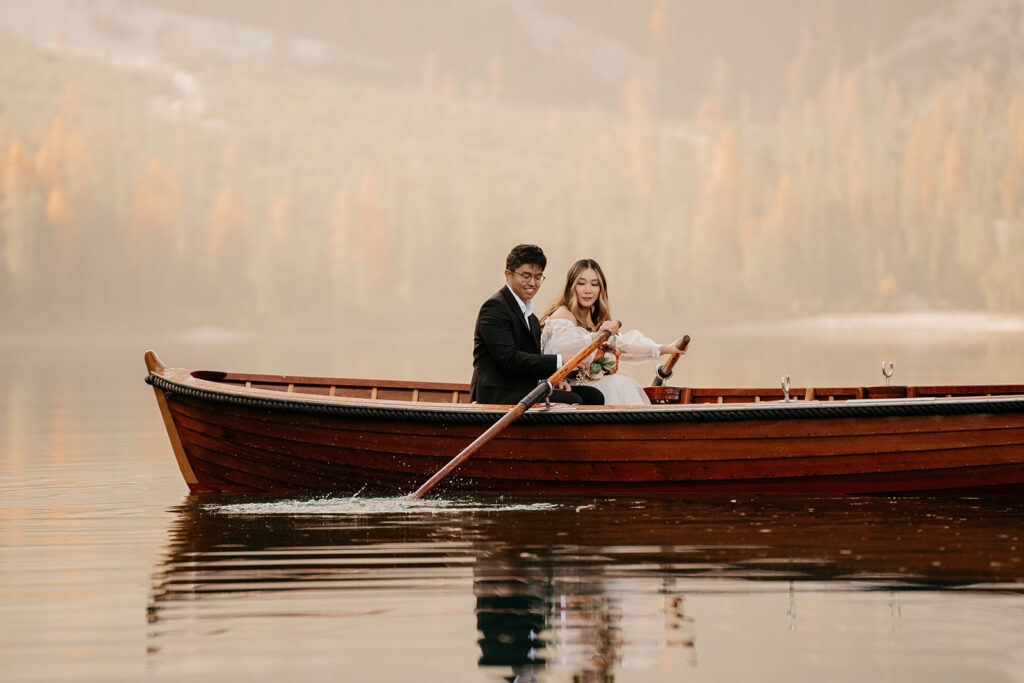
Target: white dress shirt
[(527, 308)]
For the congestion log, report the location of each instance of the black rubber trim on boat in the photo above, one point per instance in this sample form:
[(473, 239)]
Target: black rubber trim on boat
[(695, 413)]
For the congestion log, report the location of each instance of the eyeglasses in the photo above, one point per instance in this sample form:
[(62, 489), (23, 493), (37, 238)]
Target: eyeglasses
[(526, 277)]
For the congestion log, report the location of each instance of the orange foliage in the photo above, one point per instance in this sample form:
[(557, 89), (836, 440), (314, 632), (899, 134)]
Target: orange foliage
[(1014, 110), (496, 83), (283, 26), (49, 156), (856, 173), (709, 111), (450, 92), (339, 224), (279, 217), (976, 98), (828, 96), (656, 29), (71, 103), (20, 170), (859, 153), (887, 287), (1008, 192), (62, 158), (851, 106), (796, 69), (722, 170), (430, 70), (716, 212), (58, 210), (916, 175), (952, 173), (892, 109), (783, 214), (77, 163), (638, 165), (373, 242), (635, 97), (1008, 195), (1018, 157), (228, 164), (720, 77), (940, 114), (158, 200), (225, 219)]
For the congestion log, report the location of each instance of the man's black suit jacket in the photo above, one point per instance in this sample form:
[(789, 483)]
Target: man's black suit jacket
[(507, 362)]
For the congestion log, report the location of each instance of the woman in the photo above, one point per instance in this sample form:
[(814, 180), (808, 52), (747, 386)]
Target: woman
[(573, 320)]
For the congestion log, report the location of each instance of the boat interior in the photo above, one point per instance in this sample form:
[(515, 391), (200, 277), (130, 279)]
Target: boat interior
[(448, 392)]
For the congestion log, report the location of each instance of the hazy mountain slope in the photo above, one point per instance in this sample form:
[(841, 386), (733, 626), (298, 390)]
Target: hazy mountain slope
[(558, 51)]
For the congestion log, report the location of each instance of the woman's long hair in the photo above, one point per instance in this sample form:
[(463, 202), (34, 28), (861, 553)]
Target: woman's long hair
[(599, 312)]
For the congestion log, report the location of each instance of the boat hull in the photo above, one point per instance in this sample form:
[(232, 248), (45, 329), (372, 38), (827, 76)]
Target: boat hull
[(231, 442)]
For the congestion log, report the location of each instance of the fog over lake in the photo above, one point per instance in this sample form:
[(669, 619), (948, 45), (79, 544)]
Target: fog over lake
[(329, 188)]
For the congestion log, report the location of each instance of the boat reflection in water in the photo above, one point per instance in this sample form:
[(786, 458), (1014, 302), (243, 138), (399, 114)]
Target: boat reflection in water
[(559, 587)]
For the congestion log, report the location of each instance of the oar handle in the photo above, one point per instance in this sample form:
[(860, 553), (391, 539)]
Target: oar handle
[(665, 369), (540, 391)]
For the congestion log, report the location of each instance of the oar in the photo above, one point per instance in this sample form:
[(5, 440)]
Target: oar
[(542, 390), (665, 369)]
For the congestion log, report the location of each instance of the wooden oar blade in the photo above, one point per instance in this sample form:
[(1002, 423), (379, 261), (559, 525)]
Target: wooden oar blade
[(469, 450), (542, 390)]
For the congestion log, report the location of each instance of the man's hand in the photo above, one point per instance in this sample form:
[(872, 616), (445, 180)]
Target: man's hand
[(563, 386)]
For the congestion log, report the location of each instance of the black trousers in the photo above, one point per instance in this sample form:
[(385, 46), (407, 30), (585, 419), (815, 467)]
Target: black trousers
[(588, 396)]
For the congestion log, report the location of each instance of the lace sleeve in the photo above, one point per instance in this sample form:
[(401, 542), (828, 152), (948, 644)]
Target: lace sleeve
[(562, 336), (635, 347)]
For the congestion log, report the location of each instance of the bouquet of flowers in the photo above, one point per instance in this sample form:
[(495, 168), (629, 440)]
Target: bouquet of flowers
[(606, 358)]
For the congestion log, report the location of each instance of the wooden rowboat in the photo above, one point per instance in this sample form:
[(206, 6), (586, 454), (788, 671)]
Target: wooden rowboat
[(241, 432)]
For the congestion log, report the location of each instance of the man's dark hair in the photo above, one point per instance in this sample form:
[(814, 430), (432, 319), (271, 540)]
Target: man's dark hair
[(525, 253)]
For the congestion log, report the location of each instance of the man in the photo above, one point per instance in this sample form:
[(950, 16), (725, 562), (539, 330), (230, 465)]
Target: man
[(507, 362)]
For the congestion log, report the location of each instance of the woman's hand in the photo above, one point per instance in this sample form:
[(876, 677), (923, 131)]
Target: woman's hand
[(610, 325), (674, 347)]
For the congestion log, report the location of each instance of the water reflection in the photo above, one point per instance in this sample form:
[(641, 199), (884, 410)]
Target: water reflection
[(535, 612), (577, 588)]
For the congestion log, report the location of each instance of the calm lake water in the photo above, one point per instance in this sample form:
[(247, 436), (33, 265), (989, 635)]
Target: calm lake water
[(109, 570)]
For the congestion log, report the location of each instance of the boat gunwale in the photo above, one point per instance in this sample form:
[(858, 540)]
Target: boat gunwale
[(427, 411)]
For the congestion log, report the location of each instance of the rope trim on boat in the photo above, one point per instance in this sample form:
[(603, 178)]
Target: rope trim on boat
[(693, 413)]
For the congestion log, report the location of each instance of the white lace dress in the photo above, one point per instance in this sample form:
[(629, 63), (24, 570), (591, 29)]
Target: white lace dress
[(564, 337)]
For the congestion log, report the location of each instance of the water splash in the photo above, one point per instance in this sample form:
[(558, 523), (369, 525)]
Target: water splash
[(359, 506)]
